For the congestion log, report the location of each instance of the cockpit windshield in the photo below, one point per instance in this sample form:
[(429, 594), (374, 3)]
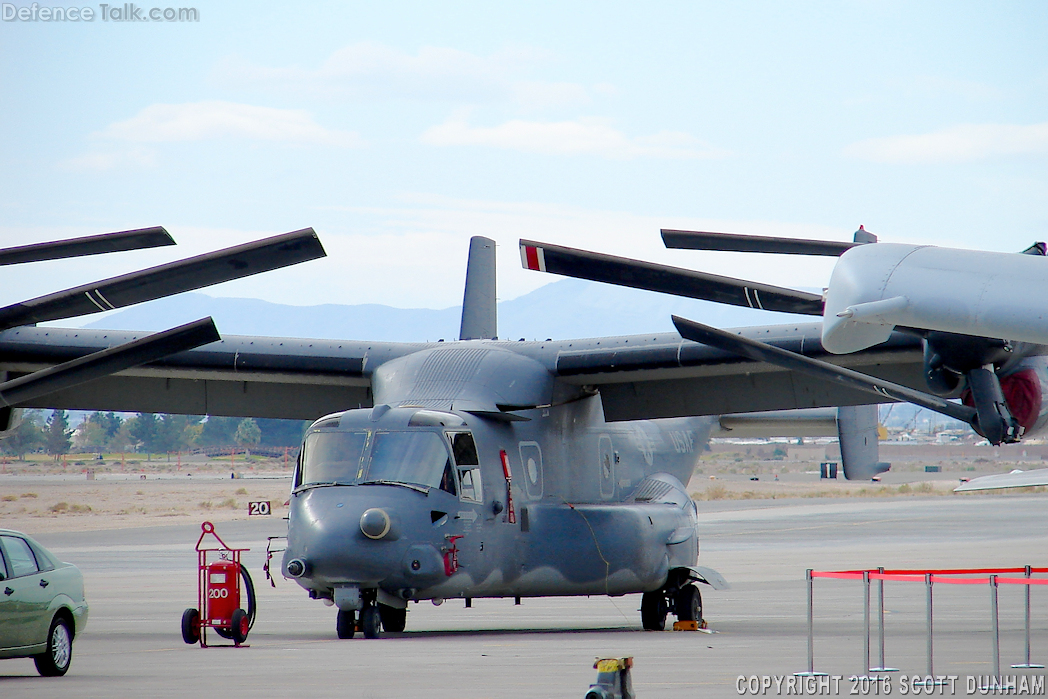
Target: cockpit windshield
[(417, 458), (332, 457)]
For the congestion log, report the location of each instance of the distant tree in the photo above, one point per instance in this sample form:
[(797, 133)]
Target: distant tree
[(27, 436), (122, 441), (56, 439), (172, 433), (90, 436), (143, 430), (282, 433), (218, 431), (110, 422), (248, 434)]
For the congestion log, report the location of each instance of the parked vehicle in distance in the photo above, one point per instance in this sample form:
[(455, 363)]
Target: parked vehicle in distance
[(42, 605)]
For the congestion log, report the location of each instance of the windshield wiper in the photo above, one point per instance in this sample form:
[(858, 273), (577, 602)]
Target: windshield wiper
[(310, 486), (419, 488)]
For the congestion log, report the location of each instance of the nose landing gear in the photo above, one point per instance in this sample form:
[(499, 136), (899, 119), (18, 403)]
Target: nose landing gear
[(678, 595), (373, 618)]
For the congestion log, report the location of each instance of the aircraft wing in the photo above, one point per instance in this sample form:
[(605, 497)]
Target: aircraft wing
[(238, 376), (656, 376), (1015, 479)]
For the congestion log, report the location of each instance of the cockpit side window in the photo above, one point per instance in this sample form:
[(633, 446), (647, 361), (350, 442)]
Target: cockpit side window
[(332, 457), (414, 457), (467, 462), (465, 449)]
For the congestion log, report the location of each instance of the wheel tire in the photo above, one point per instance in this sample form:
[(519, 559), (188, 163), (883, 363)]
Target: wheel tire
[(239, 625), (688, 604), (191, 626), (653, 610), (393, 620), (371, 621), (55, 660), (346, 623)]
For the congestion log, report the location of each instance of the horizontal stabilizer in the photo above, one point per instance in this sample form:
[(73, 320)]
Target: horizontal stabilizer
[(1015, 479), (733, 242), (168, 279), (109, 361), (88, 245), (598, 267)]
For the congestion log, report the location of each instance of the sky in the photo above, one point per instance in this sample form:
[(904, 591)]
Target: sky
[(398, 130)]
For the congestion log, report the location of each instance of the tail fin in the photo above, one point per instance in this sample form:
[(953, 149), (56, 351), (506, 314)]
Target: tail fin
[(857, 428), (479, 312)]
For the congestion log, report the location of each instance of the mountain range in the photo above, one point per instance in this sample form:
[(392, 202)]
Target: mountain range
[(564, 309)]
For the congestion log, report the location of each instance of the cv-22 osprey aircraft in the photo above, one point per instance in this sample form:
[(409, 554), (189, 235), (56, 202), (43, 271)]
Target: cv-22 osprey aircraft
[(471, 468)]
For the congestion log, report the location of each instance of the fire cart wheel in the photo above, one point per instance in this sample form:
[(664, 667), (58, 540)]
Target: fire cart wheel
[(191, 626), (252, 607), (371, 621), (346, 623), (239, 625), (653, 610), (393, 620)]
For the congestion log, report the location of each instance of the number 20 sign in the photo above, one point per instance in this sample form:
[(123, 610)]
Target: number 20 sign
[(260, 507)]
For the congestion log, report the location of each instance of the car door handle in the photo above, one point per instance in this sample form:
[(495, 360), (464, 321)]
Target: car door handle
[(44, 583), (8, 591)]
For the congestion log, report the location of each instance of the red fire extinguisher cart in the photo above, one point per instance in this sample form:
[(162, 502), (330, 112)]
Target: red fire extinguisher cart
[(221, 580)]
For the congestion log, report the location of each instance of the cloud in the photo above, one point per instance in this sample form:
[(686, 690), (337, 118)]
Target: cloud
[(198, 121), (434, 73), (582, 136), (102, 161), (963, 143)]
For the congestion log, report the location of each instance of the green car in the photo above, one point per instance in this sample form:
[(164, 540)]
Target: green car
[(42, 606)]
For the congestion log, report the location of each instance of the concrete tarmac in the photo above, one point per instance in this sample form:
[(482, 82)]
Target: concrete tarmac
[(139, 581)]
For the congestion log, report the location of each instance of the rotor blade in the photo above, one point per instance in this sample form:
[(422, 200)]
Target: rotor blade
[(763, 352), (733, 242), (623, 271), (88, 245), (108, 361), (166, 280)]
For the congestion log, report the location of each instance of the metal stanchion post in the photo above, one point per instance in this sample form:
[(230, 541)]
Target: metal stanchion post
[(928, 585), (811, 631), (1028, 664), (929, 680), (866, 620), (880, 595), (996, 627)]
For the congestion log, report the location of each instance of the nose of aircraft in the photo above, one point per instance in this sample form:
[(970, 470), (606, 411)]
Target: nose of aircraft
[(365, 534)]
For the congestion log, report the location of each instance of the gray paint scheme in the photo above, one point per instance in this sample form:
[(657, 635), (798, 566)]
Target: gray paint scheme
[(596, 488)]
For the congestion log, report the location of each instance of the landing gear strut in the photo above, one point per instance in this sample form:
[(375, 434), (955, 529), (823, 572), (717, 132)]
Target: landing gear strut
[(679, 595)]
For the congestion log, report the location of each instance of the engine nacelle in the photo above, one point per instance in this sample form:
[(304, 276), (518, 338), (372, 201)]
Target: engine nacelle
[(874, 288), (1025, 391)]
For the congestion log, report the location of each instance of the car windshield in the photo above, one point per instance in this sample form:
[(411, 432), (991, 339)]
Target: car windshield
[(417, 458), (332, 457)]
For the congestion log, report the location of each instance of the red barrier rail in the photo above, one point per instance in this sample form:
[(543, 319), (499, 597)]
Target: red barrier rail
[(947, 576)]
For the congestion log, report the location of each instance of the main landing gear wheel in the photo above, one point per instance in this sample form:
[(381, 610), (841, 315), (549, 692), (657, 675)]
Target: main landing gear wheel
[(393, 620), (688, 603), (653, 610), (346, 623), (54, 661), (370, 621), (191, 626)]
